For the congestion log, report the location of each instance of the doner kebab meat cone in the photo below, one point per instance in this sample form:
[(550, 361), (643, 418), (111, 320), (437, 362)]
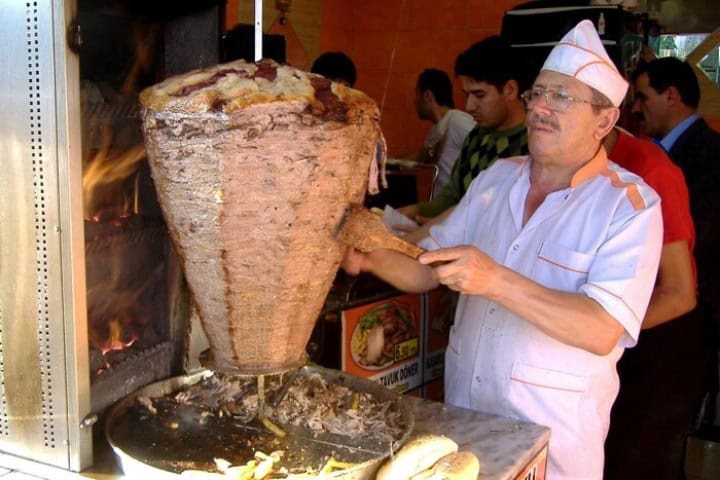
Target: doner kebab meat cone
[(254, 166)]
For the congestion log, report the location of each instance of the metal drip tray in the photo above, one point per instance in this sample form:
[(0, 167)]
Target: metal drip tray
[(151, 449)]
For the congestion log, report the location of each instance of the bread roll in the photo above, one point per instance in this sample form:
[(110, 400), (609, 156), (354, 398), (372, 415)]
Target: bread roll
[(456, 466), (415, 456)]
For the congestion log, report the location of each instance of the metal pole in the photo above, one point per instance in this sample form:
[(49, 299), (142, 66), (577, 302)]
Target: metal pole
[(258, 30)]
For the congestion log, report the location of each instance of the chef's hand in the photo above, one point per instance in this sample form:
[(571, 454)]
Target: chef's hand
[(353, 261), (464, 269)]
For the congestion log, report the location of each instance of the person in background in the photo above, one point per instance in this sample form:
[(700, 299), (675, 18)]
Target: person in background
[(492, 81), (434, 102), (555, 256), (662, 377), (667, 97), (679, 358), (336, 66)]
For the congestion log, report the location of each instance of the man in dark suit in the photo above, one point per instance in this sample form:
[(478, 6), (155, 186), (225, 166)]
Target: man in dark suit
[(667, 95)]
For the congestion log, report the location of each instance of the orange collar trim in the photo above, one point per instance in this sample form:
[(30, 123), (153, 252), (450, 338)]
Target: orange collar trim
[(591, 169)]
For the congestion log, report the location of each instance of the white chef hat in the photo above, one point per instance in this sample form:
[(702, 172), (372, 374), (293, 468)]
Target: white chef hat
[(580, 54)]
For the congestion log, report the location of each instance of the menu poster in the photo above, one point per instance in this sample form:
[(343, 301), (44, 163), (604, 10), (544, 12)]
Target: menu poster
[(440, 306), (383, 341)]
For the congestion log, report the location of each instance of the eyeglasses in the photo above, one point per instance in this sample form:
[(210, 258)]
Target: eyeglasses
[(557, 101)]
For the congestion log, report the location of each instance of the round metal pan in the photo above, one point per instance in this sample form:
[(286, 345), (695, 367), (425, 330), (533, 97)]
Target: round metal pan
[(190, 448)]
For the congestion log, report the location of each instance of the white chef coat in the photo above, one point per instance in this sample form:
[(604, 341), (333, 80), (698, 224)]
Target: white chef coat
[(444, 142), (602, 238)]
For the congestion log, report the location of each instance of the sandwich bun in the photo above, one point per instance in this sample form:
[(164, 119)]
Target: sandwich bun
[(416, 455), (456, 466)]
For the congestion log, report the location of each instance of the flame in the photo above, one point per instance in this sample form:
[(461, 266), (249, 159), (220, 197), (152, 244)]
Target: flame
[(115, 340), (115, 334), (108, 166), (116, 305), (106, 171), (113, 152)]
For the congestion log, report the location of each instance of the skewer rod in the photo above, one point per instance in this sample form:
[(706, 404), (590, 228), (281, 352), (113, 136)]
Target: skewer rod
[(258, 30)]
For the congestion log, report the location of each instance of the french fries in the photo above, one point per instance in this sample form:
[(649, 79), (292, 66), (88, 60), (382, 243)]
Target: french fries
[(272, 427), (261, 467), (256, 469), (333, 465)]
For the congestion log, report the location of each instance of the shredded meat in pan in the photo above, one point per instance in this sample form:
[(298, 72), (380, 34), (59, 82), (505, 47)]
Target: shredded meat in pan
[(311, 402)]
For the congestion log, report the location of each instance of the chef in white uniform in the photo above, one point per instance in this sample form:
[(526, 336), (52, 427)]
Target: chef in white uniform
[(555, 255)]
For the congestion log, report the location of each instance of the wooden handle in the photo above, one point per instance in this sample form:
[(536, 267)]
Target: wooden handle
[(404, 247), (411, 250)]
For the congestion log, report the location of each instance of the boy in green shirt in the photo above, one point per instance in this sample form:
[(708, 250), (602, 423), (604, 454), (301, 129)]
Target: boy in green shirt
[(492, 80)]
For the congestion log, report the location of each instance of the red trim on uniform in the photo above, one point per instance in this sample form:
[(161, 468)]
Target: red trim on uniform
[(617, 297), (546, 386), (560, 265)]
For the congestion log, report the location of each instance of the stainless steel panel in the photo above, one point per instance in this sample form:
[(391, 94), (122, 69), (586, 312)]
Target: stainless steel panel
[(42, 319), (72, 254)]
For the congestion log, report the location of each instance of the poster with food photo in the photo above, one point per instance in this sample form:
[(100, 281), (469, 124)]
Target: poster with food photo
[(382, 341)]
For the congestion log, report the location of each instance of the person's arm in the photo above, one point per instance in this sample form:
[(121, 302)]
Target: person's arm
[(399, 270), (571, 318), (674, 292)]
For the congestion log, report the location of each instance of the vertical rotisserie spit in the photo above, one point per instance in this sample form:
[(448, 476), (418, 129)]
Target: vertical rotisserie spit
[(254, 166)]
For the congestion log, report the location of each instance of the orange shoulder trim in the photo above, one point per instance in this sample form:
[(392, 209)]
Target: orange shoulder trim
[(631, 189)]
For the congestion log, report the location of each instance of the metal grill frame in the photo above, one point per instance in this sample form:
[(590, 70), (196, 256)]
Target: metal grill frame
[(44, 380)]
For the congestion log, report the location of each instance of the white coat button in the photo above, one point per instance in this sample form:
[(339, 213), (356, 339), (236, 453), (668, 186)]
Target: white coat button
[(516, 247), (492, 310), (477, 378)]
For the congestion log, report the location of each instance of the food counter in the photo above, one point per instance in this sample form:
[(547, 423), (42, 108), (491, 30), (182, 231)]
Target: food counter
[(507, 449)]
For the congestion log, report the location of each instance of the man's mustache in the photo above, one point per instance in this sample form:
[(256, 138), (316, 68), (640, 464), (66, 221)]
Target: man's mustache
[(534, 120)]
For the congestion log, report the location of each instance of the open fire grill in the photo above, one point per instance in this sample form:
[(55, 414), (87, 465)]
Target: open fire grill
[(93, 301)]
